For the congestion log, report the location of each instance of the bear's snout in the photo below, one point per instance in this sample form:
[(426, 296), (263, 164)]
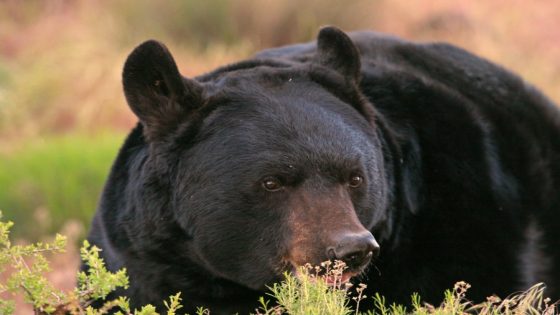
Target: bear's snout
[(324, 226), (355, 249)]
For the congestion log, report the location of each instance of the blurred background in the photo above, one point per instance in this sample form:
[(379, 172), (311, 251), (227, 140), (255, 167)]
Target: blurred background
[(63, 115)]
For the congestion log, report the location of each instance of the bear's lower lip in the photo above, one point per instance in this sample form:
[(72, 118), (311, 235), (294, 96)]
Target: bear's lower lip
[(335, 281)]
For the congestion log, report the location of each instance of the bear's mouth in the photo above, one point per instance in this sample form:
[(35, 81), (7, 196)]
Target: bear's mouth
[(334, 274)]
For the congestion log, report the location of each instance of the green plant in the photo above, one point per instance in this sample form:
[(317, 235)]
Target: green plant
[(455, 302), (316, 290), (309, 293), (27, 264), (26, 276)]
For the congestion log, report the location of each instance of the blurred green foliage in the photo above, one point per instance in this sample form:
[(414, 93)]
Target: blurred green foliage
[(49, 181)]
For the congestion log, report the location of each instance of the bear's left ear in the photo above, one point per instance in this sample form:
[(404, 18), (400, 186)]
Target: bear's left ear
[(336, 50), (156, 92)]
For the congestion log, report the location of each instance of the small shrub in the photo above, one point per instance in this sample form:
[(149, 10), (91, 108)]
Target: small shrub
[(317, 290), (28, 264)]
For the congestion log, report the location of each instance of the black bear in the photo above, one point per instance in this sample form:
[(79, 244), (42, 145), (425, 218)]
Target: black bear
[(418, 164)]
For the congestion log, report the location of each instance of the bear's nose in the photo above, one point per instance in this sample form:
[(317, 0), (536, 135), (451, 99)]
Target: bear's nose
[(355, 249)]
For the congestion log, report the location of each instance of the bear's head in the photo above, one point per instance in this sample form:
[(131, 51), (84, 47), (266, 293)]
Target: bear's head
[(263, 166)]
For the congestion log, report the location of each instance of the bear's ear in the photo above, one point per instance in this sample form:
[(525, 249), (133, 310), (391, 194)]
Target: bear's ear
[(155, 90), (336, 50)]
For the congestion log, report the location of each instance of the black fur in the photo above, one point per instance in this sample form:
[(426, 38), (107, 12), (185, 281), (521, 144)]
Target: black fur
[(460, 159)]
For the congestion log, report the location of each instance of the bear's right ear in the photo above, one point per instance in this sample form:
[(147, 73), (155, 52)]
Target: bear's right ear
[(336, 50), (155, 90)]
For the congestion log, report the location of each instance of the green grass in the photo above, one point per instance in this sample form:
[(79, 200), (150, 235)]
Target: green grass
[(49, 181)]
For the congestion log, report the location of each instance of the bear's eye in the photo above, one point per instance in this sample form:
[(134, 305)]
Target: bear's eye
[(355, 181), (272, 184)]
